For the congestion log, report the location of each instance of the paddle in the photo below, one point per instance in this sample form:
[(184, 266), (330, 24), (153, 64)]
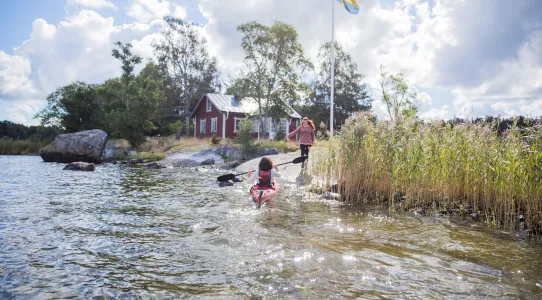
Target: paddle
[(232, 176)]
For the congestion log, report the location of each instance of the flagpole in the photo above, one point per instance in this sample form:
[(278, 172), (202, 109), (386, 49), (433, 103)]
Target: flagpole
[(332, 67)]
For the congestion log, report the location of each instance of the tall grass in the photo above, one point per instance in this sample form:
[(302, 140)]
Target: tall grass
[(282, 146), (438, 166), (21, 147)]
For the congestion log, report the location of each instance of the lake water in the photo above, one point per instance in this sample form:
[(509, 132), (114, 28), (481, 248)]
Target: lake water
[(128, 232)]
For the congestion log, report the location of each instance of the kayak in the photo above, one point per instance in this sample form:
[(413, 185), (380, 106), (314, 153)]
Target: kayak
[(262, 194)]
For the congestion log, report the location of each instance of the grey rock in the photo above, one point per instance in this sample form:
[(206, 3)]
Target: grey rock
[(136, 161), (85, 146), (80, 166), (267, 151), (208, 162), (154, 166), (116, 149)]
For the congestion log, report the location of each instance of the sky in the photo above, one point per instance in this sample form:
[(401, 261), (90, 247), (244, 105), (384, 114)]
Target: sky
[(465, 58)]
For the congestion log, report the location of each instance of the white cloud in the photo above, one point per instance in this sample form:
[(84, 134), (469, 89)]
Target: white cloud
[(148, 10), (94, 4), (76, 49), (491, 64)]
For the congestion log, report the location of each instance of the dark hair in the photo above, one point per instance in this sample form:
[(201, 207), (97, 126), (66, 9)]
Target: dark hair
[(265, 164)]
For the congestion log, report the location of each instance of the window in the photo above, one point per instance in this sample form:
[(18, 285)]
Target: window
[(284, 125), (236, 124), (213, 124), (209, 105), (202, 125)]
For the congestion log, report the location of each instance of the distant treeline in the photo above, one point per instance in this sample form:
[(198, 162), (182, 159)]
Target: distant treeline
[(501, 125), (10, 130)]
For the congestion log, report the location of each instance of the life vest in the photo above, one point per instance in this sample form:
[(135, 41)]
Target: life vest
[(264, 179)]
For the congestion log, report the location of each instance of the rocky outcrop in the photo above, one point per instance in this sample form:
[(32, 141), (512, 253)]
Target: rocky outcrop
[(116, 149), (80, 166), (267, 151), (208, 162), (82, 146), (154, 166), (230, 152)]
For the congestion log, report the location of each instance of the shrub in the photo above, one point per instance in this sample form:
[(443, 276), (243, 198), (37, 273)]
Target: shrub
[(215, 140), (245, 139)]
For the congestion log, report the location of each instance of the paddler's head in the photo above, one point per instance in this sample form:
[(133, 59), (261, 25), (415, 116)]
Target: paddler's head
[(265, 164)]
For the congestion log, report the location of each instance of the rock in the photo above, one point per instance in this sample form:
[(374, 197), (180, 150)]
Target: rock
[(136, 161), (267, 151), (231, 165), (116, 148), (208, 162), (225, 183), (184, 163), (85, 146), (231, 152), (80, 166), (154, 166), (476, 216)]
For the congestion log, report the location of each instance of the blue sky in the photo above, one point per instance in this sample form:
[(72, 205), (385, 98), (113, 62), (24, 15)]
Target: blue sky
[(464, 58)]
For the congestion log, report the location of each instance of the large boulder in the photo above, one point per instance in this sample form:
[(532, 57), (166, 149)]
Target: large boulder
[(80, 166), (86, 146)]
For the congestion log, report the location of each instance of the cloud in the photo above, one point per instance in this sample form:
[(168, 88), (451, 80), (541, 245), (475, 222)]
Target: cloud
[(76, 49), (93, 4), (148, 10)]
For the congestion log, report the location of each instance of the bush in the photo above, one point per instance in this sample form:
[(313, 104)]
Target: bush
[(280, 135), (215, 140), (245, 139)]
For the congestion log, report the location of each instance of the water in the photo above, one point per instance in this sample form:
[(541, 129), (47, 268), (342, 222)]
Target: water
[(128, 232)]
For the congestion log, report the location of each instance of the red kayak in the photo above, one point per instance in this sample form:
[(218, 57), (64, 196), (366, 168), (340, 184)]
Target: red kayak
[(262, 194)]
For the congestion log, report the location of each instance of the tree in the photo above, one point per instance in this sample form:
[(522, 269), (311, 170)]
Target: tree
[(132, 101), (274, 60), (74, 107), (397, 95), (350, 91), (188, 68)]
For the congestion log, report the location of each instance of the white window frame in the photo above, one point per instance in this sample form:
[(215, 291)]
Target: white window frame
[(202, 125), (235, 119), (209, 106), (214, 124)]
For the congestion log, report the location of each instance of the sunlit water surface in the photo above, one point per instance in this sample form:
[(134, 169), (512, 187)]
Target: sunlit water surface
[(128, 232)]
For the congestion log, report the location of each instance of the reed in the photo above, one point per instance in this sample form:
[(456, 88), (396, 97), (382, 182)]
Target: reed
[(21, 147), (468, 168)]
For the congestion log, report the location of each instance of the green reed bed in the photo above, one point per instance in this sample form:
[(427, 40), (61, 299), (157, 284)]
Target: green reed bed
[(21, 147), (468, 168)]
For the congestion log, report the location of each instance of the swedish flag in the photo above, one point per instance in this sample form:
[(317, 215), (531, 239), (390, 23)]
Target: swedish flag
[(350, 5)]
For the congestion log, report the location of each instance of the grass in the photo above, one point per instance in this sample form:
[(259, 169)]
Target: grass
[(21, 147), (282, 146), (467, 167)]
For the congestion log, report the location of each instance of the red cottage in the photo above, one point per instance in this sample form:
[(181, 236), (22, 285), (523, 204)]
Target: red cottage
[(220, 115)]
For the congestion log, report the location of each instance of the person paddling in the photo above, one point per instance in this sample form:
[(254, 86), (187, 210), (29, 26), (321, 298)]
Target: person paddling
[(265, 173), (306, 136)]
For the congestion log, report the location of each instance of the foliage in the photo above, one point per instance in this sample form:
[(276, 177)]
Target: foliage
[(469, 166), (244, 137), (22, 147), (10, 130), (322, 133), (187, 69), (215, 140), (74, 107), (280, 135), (274, 61), (282, 145), (397, 95), (350, 94), (132, 101)]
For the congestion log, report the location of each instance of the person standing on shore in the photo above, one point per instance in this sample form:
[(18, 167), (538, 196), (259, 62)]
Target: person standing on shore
[(306, 136)]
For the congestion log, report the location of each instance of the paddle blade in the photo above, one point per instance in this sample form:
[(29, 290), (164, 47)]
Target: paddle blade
[(299, 159), (225, 177)]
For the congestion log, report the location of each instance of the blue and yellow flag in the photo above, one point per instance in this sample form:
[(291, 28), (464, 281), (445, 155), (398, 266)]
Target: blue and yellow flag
[(350, 5)]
